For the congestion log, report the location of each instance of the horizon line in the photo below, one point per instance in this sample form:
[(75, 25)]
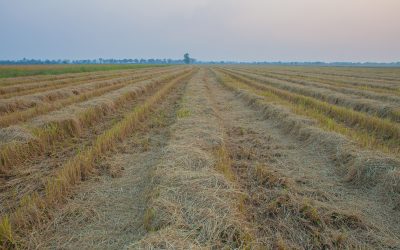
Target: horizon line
[(101, 60)]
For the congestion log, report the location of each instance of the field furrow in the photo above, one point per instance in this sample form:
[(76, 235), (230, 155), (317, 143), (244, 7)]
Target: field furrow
[(374, 92), (202, 157), (26, 177), (123, 177), (13, 104), (369, 131), (46, 78), (21, 90), (367, 105), (42, 131), (295, 198), (360, 166), (365, 76), (193, 201), (76, 167), (76, 95), (338, 82), (44, 73), (358, 94), (371, 75), (377, 108)]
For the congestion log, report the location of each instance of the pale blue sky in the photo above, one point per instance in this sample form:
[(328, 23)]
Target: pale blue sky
[(286, 30)]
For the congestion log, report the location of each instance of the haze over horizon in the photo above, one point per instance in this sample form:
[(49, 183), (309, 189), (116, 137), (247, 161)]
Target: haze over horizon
[(237, 30)]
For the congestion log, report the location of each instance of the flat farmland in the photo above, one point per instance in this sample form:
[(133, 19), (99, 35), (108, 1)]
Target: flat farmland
[(51, 70), (200, 157)]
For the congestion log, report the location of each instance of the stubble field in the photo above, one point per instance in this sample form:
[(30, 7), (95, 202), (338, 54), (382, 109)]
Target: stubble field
[(201, 157)]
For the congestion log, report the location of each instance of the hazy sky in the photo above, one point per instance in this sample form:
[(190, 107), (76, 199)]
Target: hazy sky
[(287, 30)]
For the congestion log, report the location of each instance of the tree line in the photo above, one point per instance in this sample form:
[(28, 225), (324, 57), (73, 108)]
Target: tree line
[(93, 61), (188, 60)]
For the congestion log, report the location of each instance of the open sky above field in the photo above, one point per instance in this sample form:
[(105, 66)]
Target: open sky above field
[(246, 30)]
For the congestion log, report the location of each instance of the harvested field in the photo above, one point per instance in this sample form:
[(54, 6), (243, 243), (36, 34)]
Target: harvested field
[(25, 73), (201, 157)]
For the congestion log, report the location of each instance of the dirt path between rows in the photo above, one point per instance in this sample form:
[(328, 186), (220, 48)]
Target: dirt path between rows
[(107, 211), (298, 173)]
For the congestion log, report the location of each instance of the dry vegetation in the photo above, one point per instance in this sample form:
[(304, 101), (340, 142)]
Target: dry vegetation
[(184, 157)]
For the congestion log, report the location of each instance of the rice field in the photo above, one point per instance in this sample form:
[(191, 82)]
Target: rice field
[(199, 157), (50, 71)]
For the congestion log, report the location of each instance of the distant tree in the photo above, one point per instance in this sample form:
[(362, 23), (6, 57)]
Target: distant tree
[(186, 58)]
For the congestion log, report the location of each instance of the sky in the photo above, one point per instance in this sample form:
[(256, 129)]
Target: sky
[(240, 30)]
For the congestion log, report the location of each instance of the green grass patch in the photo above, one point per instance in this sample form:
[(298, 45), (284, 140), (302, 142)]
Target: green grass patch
[(182, 113)]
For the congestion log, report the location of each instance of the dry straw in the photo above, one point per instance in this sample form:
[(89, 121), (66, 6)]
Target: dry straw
[(194, 202), (373, 130), (318, 91), (361, 167), (34, 208), (66, 126)]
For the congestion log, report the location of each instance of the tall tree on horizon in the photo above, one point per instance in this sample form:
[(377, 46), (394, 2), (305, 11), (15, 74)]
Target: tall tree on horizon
[(186, 58)]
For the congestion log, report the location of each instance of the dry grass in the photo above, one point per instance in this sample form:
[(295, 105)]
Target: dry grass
[(78, 95), (368, 88), (289, 206), (22, 90), (33, 208), (49, 131), (351, 75), (366, 105), (193, 204), (23, 115), (334, 82), (368, 168), (46, 97), (370, 131), (42, 86), (232, 169), (292, 217), (17, 71), (42, 78), (294, 76)]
